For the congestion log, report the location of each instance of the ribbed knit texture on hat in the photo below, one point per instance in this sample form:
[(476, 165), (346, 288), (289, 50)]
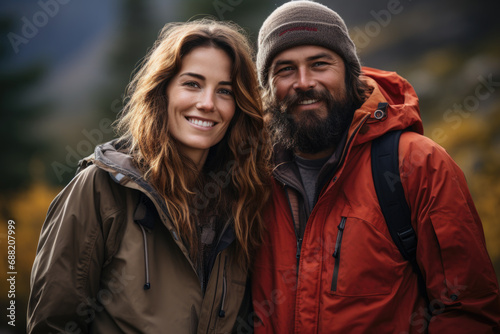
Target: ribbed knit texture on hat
[(303, 23)]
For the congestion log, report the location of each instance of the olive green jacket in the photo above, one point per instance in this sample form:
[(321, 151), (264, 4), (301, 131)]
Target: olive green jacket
[(110, 261)]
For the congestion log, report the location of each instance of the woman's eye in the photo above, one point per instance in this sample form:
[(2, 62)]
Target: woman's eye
[(193, 84), (226, 91)]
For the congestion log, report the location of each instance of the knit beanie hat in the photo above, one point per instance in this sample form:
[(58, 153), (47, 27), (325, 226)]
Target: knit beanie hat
[(303, 23)]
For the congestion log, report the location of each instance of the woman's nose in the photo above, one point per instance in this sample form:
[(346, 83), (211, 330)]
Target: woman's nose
[(206, 102)]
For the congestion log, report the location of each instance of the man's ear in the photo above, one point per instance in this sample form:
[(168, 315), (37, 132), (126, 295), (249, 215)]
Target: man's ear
[(267, 117)]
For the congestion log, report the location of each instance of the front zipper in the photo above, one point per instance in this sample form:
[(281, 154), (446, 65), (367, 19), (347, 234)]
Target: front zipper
[(297, 255), (215, 296), (336, 253), (295, 227)]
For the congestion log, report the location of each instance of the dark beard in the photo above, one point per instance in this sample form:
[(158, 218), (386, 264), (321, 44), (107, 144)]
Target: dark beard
[(306, 131)]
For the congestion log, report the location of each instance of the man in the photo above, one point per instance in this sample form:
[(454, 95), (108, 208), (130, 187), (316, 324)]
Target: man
[(329, 264)]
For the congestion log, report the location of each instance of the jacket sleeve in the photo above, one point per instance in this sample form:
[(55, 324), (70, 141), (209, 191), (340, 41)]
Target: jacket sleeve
[(71, 251), (451, 252)]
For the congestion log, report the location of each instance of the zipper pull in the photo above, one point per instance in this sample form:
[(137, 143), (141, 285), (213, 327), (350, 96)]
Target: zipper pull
[(341, 228), (299, 246), (336, 254)]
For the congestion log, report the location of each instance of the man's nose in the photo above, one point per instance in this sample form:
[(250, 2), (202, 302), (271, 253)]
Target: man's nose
[(305, 81)]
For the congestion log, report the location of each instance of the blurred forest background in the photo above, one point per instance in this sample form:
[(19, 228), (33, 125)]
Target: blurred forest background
[(65, 64)]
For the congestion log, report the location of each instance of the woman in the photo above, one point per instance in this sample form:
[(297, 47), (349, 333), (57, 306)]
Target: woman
[(155, 233)]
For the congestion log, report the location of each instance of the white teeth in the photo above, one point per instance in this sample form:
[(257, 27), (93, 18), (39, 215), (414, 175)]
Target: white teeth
[(308, 101), (205, 124)]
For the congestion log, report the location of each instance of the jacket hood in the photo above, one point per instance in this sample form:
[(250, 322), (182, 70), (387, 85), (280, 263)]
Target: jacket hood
[(402, 112), (114, 158)]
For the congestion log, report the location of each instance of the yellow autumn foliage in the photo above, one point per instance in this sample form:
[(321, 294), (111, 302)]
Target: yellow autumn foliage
[(474, 145), (27, 209)]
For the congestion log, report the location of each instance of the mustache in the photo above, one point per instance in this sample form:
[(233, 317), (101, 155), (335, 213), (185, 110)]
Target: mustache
[(292, 101)]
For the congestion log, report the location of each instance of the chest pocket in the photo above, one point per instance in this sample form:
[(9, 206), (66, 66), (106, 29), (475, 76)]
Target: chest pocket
[(364, 262)]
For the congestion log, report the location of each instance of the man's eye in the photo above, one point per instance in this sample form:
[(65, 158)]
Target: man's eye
[(319, 63), (284, 69)]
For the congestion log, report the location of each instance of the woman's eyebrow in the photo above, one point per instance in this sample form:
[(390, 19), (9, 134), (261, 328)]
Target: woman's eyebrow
[(191, 74), (201, 77)]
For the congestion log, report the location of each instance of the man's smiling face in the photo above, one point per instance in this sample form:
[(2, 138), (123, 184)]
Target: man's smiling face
[(299, 74), (309, 104)]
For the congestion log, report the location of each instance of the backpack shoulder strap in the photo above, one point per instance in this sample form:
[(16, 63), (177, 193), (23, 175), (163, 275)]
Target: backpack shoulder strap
[(390, 194), (392, 201)]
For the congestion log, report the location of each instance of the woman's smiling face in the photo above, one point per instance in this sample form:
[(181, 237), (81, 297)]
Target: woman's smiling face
[(201, 103)]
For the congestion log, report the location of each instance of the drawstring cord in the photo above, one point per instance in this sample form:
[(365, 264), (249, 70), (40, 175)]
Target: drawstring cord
[(222, 312), (147, 285)]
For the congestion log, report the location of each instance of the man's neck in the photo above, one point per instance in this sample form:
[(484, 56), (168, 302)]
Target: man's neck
[(319, 155)]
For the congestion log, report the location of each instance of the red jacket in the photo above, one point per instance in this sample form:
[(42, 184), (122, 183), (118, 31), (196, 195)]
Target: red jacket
[(374, 290)]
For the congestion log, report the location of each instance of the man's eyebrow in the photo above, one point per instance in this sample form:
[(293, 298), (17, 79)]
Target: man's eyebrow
[(201, 77), (316, 56), (282, 62), (320, 55)]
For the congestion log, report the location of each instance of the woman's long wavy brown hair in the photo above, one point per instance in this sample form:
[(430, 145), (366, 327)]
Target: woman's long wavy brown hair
[(238, 166)]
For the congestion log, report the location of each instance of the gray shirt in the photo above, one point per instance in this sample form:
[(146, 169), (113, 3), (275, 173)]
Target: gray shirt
[(309, 171)]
